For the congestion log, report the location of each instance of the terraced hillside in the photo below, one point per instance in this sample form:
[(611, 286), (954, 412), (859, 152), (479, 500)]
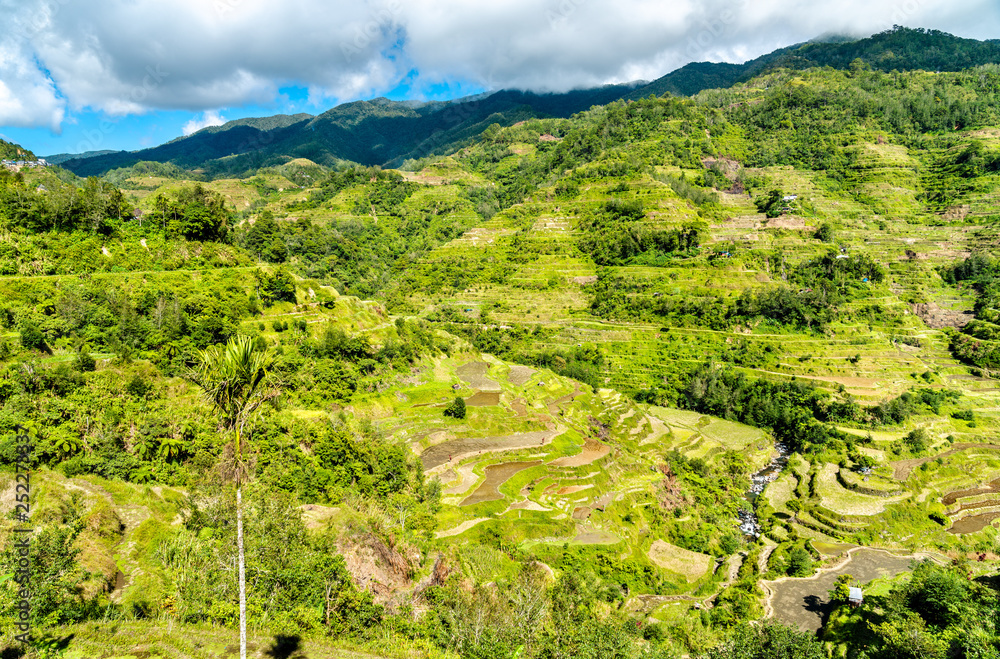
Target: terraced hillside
[(586, 340)]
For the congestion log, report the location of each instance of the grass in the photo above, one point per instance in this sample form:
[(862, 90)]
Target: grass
[(689, 564), (164, 640)]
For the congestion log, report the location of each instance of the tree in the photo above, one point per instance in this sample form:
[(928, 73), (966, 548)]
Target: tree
[(457, 409), (824, 233), (195, 213), (237, 379), (264, 239), (769, 640), (917, 441), (771, 204), (32, 337), (841, 591), (799, 563)]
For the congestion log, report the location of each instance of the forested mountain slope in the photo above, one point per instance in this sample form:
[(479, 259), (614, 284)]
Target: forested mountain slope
[(532, 380), (383, 132)]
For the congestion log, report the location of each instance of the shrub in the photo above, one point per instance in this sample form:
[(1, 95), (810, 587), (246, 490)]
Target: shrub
[(917, 440), (457, 408), (32, 337), (799, 563), (84, 362)]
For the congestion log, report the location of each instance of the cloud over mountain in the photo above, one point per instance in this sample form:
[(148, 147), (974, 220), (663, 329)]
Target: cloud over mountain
[(133, 56)]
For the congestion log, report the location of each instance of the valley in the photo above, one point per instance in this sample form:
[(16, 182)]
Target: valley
[(609, 384)]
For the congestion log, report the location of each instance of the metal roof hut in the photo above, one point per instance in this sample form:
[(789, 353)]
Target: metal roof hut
[(855, 597)]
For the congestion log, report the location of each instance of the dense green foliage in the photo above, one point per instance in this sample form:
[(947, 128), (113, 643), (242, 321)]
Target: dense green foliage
[(619, 248), (938, 613), (194, 213), (616, 235), (10, 151), (95, 207), (979, 341), (768, 641)]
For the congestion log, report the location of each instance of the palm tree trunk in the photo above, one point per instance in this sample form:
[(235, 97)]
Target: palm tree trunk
[(243, 583)]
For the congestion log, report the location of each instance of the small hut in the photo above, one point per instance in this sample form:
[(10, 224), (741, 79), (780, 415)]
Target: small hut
[(855, 597)]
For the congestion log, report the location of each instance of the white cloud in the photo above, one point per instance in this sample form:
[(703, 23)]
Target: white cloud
[(211, 118), (27, 96), (133, 56)]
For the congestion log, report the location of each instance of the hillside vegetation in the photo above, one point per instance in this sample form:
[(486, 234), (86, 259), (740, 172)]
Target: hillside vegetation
[(522, 388)]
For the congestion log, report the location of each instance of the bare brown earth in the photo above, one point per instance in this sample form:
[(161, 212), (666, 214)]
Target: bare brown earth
[(475, 374), (484, 399), (376, 566), (592, 451), (496, 475), (803, 602), (936, 317), (457, 449)]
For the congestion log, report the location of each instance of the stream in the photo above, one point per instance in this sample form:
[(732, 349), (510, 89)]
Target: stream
[(748, 522)]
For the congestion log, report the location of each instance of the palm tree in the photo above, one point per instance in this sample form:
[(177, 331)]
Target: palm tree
[(236, 379)]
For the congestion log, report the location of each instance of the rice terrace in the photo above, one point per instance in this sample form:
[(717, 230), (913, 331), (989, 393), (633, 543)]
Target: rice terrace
[(703, 366)]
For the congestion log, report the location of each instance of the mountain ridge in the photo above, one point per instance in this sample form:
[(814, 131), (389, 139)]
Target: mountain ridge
[(384, 132)]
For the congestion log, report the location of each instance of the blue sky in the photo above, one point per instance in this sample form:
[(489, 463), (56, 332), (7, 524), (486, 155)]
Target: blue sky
[(78, 75), (98, 131)]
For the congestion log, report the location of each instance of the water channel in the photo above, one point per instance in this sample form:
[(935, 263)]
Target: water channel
[(748, 522)]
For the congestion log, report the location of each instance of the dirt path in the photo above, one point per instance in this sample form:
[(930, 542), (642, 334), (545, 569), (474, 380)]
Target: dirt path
[(802, 602), (764, 556), (568, 398), (903, 468), (461, 528)]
